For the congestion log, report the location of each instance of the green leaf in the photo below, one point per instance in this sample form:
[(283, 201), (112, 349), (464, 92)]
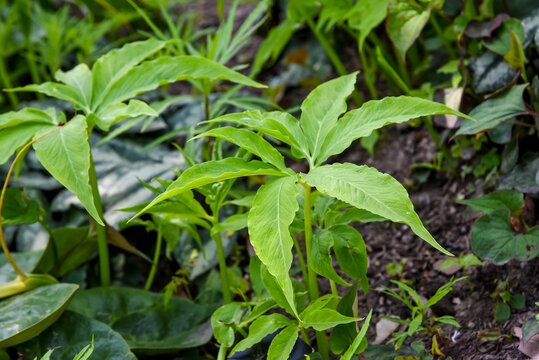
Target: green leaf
[(283, 343), (323, 319), (57, 90), (150, 74), (223, 321), (274, 209), (350, 251), (405, 20), (518, 301), (26, 315), (280, 125), (513, 200), (365, 16), (501, 43), (494, 238), (110, 68), (321, 260), (66, 156), (13, 118), (79, 79), (494, 111), (26, 262), (470, 260), (502, 312), (374, 115), (143, 320), (118, 111), (273, 45), (16, 137), (15, 211), (366, 188), (249, 141), (210, 172), (515, 56), (359, 338), (73, 331), (447, 319), (258, 309), (264, 325), (442, 292), (276, 292), (322, 107)]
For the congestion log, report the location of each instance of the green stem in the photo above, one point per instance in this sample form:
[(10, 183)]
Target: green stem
[(155, 261), (304, 335), (301, 260), (4, 77), (440, 34), (339, 66), (216, 236), (369, 77), (222, 352), (321, 338), (102, 246), (333, 287)]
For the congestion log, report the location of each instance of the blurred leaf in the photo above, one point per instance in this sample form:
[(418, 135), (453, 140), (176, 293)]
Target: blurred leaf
[(497, 200)]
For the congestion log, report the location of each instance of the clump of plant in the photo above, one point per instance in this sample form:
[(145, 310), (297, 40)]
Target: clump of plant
[(325, 129), (463, 262), (419, 321), (506, 301)]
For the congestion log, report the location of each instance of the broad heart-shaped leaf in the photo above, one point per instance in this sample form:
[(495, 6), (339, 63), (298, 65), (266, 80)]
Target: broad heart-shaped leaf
[(503, 199), (280, 125), (321, 259), (249, 141), (274, 209), (367, 188), (374, 115), (116, 63), (404, 23), (365, 16), (150, 74), (264, 325), (26, 262), (213, 171), (15, 211), (66, 156), (494, 238), (283, 343), (118, 111), (26, 315), (494, 111), (322, 107), (80, 80), (143, 320), (71, 333)]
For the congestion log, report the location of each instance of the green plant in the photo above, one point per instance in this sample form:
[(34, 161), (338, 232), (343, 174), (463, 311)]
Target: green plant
[(320, 133), (419, 322), (505, 301), (397, 268), (84, 354), (463, 262)]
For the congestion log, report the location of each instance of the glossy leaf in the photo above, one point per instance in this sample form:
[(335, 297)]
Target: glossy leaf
[(213, 171), (405, 20), (322, 107), (494, 111), (249, 141), (374, 115), (150, 74), (494, 238), (264, 325), (366, 188), (283, 343), (16, 137), (143, 320), (274, 209), (116, 63), (350, 251), (72, 332), (26, 315), (66, 156), (26, 262), (365, 16)]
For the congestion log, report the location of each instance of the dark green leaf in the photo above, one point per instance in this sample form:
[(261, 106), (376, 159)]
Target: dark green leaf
[(513, 200), (502, 312), (264, 325)]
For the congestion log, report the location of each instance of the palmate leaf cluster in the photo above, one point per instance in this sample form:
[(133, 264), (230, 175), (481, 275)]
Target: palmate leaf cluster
[(324, 129)]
